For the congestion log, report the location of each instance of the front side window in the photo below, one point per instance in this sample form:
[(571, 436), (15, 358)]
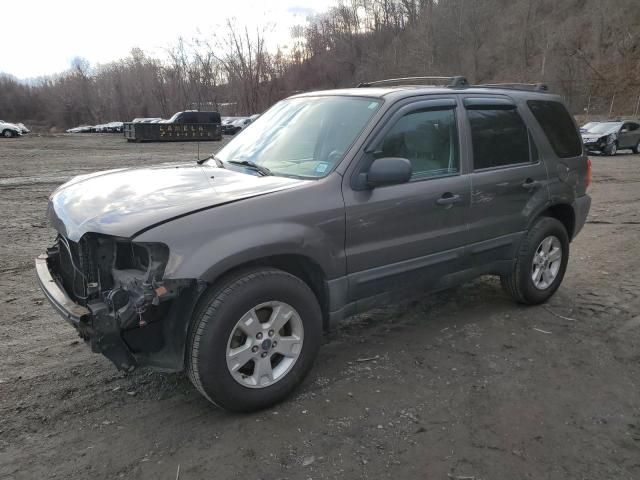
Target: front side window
[(302, 137), (499, 137), (428, 139)]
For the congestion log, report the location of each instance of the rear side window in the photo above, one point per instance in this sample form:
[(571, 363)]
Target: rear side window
[(500, 138), (558, 127)]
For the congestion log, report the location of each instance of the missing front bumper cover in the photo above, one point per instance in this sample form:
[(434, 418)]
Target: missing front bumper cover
[(95, 323)]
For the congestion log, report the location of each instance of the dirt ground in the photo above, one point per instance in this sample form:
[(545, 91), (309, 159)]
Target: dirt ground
[(460, 385)]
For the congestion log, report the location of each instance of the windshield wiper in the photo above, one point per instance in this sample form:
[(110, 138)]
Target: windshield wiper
[(264, 171)]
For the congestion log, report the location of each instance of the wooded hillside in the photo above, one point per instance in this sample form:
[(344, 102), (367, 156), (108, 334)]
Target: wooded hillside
[(586, 50)]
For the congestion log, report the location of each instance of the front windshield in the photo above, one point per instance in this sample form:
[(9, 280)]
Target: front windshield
[(606, 127), (302, 137)]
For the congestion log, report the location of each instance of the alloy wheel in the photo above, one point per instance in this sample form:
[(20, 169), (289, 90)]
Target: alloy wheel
[(546, 262), (265, 344)]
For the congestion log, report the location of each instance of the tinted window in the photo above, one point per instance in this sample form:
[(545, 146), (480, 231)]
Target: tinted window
[(208, 117), (429, 139), (558, 127), (499, 137), (631, 126)]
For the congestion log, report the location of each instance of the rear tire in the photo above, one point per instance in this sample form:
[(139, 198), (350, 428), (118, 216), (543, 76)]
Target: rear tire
[(7, 133), (636, 149), (538, 273), (233, 360)]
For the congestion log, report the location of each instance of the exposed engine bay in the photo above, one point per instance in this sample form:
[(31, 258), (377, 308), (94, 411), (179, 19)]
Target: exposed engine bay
[(121, 283)]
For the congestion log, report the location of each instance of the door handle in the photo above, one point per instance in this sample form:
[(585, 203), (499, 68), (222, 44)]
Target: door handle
[(530, 184), (449, 199)]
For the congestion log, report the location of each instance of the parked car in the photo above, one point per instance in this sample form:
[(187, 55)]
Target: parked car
[(111, 127), (609, 137), (332, 203), (9, 130), (146, 120), (227, 123), (237, 125), (82, 129)]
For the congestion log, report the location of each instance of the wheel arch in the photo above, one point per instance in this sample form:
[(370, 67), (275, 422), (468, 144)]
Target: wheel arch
[(564, 213), (298, 265)]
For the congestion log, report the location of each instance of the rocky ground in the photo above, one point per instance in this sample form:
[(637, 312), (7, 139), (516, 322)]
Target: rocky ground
[(460, 385)]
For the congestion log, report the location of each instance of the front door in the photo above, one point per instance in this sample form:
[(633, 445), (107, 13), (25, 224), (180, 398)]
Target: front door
[(629, 136), (411, 234)]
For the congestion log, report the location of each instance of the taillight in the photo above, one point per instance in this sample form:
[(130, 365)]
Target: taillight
[(589, 174)]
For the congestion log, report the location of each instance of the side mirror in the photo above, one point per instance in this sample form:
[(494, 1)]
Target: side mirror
[(624, 130), (389, 171)]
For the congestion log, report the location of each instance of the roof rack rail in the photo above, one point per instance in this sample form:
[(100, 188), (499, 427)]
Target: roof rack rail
[(452, 82), (536, 87)]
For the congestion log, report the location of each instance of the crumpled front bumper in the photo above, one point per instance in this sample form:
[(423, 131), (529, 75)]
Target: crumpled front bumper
[(70, 311), (94, 323)]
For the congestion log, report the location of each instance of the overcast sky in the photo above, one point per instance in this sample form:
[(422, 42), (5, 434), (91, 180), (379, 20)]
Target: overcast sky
[(41, 37)]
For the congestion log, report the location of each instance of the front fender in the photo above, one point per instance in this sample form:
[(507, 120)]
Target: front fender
[(309, 222), (223, 253)]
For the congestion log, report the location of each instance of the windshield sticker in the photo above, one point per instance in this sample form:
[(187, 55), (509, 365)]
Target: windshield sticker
[(322, 167), (373, 105)]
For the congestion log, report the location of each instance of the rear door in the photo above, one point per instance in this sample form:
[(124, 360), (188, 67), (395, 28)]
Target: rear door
[(508, 179), (407, 236)]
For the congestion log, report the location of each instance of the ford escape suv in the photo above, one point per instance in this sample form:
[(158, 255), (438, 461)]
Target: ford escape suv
[(329, 204)]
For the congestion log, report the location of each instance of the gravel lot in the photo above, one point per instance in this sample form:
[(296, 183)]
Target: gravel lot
[(460, 385)]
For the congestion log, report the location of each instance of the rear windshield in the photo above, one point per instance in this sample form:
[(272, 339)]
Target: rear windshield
[(558, 127)]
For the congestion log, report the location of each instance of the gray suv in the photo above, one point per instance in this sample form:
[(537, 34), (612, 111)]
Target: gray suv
[(331, 203)]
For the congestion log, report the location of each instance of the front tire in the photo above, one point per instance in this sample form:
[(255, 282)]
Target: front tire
[(7, 133), (253, 339), (612, 149), (540, 264)]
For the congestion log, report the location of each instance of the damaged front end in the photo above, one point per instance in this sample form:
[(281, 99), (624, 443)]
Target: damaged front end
[(113, 292)]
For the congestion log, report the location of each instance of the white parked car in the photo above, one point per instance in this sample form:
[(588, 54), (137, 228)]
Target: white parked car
[(146, 120), (82, 129), (9, 130), (234, 126)]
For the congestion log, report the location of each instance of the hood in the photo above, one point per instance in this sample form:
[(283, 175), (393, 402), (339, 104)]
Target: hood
[(592, 137), (613, 128), (123, 202), (9, 125)]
